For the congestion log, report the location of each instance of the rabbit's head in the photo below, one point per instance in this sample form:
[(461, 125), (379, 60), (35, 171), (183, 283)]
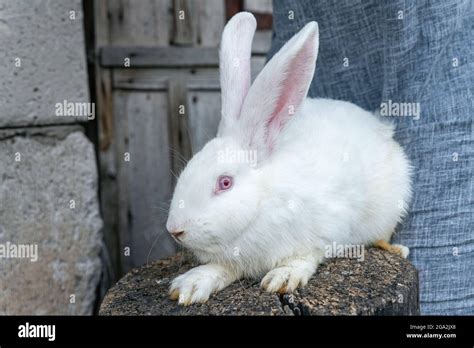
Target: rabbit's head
[(218, 194)]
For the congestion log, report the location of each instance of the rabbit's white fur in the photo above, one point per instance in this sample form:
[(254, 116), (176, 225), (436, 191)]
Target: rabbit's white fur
[(329, 172)]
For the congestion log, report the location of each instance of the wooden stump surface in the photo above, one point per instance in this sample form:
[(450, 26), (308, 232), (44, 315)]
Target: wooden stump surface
[(382, 284)]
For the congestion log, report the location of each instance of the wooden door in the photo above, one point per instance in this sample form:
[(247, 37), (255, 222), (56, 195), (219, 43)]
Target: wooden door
[(158, 100)]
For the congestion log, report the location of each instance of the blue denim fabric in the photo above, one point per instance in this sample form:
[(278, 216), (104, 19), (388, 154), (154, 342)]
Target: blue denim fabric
[(410, 52)]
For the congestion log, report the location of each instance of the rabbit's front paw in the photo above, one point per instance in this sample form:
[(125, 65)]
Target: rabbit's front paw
[(289, 276), (196, 285)]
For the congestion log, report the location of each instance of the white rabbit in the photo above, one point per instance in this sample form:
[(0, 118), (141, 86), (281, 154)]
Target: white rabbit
[(285, 177)]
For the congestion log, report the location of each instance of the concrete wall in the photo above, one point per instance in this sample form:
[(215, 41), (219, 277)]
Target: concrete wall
[(48, 174)]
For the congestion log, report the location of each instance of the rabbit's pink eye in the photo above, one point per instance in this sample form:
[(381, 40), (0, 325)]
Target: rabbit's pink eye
[(224, 182)]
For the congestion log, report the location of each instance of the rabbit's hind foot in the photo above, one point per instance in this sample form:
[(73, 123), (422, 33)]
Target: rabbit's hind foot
[(397, 249)]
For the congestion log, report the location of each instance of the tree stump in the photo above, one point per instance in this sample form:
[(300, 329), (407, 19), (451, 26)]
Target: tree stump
[(382, 284)]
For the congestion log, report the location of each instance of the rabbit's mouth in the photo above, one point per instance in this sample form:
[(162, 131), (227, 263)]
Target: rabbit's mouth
[(177, 235)]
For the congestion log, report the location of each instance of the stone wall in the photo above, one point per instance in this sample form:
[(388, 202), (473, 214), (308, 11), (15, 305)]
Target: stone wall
[(50, 225)]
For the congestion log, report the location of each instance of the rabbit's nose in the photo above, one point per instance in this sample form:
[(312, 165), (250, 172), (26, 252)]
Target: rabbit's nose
[(176, 233), (170, 225), (174, 230)]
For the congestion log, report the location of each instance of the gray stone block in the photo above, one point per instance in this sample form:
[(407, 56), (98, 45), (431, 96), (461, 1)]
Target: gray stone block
[(48, 199), (50, 48)]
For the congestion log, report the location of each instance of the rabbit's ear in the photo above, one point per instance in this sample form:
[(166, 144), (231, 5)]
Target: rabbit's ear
[(235, 52), (279, 90)]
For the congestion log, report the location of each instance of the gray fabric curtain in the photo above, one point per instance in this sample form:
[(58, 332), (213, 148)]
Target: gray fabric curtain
[(418, 56)]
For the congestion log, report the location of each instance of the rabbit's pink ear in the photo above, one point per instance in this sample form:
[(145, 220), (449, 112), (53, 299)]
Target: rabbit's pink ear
[(279, 90), (235, 52)]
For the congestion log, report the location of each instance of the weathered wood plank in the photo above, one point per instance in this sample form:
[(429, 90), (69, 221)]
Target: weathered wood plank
[(144, 176), (262, 41), (183, 32), (120, 126), (157, 78), (204, 116), (148, 57), (144, 22), (256, 65), (179, 133), (210, 22), (106, 150), (172, 57), (258, 6)]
